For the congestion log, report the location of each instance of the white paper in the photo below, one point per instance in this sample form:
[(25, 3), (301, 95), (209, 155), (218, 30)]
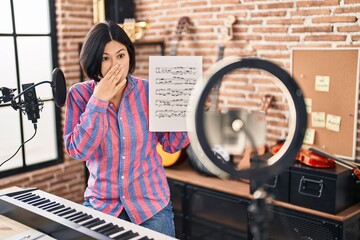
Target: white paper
[(171, 82)]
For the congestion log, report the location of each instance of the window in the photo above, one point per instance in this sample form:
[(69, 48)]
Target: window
[(28, 54)]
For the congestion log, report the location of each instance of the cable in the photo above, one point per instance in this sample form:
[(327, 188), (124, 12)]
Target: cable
[(35, 128)]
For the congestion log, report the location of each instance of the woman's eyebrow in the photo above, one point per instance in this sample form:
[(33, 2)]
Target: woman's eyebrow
[(123, 49)]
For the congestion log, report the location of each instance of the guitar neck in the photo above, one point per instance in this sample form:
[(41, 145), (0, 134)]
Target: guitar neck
[(221, 52), (216, 89)]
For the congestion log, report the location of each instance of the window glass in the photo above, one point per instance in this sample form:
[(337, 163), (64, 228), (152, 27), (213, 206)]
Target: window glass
[(26, 56), (7, 62), (5, 17), (35, 63), (43, 146), (32, 16), (10, 138)]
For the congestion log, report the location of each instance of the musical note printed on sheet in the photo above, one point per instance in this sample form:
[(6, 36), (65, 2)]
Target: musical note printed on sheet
[(171, 81)]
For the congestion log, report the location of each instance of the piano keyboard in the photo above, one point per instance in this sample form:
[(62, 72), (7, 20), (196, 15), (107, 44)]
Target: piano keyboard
[(63, 219)]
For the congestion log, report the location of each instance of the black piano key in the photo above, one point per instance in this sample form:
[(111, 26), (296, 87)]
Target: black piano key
[(77, 216), (30, 198), (23, 196), (61, 210), (86, 217), (55, 208), (46, 205), (21, 192), (51, 206), (67, 212), (72, 215), (113, 230), (104, 227), (94, 224), (126, 235), (36, 200), (37, 204), (145, 238), (85, 224)]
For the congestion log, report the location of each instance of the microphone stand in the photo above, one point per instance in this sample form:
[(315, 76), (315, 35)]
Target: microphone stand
[(28, 106)]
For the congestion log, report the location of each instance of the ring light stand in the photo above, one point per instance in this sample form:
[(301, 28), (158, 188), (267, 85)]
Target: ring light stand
[(259, 172)]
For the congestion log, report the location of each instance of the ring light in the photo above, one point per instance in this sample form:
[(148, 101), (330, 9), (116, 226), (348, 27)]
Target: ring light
[(297, 120)]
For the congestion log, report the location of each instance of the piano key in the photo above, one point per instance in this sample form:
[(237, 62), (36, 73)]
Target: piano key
[(27, 199), (66, 213), (105, 226), (40, 203), (145, 238), (98, 226), (22, 196), (31, 199), (114, 230), (51, 206), (72, 220), (42, 206), (91, 223), (125, 236), (72, 215), (55, 208), (86, 217), (57, 212), (36, 200)]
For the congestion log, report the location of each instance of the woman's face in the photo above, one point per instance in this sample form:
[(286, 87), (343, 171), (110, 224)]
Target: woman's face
[(115, 53)]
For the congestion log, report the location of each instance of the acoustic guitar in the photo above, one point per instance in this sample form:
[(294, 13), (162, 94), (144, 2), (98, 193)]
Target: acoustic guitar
[(170, 159), (226, 34)]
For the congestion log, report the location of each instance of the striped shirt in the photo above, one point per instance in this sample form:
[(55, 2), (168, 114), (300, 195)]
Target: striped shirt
[(120, 152)]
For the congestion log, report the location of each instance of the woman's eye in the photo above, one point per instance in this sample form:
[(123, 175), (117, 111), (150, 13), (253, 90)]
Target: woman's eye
[(121, 55), (105, 58)]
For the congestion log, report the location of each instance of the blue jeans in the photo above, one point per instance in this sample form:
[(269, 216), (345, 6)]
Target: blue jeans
[(162, 221)]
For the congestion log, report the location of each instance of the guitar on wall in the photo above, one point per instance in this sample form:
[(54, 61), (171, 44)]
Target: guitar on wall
[(170, 159), (225, 36)]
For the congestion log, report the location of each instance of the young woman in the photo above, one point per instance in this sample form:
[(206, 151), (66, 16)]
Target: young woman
[(107, 125)]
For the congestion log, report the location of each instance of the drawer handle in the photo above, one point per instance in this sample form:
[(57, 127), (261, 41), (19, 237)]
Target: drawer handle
[(310, 185)]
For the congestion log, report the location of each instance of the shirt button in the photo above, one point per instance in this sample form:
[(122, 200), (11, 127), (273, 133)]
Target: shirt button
[(123, 157), (122, 177), (123, 197), (120, 118), (123, 138)]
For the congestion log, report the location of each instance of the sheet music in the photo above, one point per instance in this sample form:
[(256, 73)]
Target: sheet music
[(171, 81)]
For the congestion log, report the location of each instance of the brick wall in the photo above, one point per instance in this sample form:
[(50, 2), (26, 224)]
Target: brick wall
[(263, 28)]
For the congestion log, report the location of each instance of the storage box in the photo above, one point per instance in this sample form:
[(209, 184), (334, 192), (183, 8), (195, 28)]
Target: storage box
[(277, 187), (326, 190)]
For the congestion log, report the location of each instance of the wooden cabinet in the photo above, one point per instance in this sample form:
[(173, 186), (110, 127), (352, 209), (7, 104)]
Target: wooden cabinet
[(211, 208)]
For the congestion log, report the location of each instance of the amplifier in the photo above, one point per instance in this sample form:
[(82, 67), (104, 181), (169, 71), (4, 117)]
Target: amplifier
[(326, 190)]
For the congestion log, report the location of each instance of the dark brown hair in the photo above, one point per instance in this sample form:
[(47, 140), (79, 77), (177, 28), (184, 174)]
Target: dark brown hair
[(93, 47)]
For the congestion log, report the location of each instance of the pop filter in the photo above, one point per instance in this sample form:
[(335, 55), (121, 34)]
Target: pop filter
[(58, 86)]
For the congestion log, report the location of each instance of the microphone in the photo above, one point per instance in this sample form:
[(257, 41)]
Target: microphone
[(31, 103)]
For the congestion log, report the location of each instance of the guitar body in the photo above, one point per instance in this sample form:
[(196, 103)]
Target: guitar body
[(170, 159)]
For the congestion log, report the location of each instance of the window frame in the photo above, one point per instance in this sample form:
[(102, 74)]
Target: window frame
[(59, 140)]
